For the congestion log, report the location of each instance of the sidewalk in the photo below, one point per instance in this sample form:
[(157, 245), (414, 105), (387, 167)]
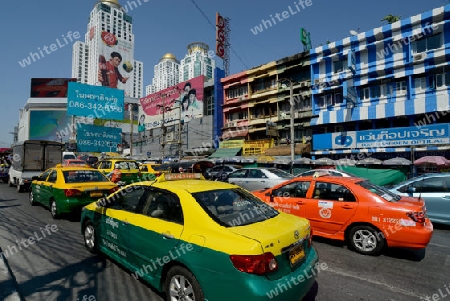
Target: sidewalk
[(8, 290)]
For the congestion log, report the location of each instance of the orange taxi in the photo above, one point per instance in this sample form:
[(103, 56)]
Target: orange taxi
[(368, 217)]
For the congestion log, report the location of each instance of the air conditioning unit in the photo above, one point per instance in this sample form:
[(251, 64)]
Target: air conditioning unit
[(317, 81), (419, 57), (304, 84), (231, 124), (170, 136)]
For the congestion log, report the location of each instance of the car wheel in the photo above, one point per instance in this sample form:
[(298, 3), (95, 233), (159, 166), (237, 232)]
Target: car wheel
[(54, 209), (366, 240), (90, 240), (31, 199), (182, 285)]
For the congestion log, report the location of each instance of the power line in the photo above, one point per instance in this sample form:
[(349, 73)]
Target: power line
[(214, 27)]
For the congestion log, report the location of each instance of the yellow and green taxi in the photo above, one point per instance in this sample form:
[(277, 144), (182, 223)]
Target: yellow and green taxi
[(130, 169), (195, 239), (65, 189), (153, 170)]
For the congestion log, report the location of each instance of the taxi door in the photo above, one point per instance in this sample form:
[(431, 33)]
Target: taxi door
[(116, 223), (155, 236), (291, 198), (46, 188), (330, 207), (36, 187)]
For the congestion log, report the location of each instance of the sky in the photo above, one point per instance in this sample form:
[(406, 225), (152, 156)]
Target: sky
[(160, 27)]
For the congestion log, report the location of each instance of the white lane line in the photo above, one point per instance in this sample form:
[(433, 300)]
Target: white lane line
[(372, 281), (438, 245)]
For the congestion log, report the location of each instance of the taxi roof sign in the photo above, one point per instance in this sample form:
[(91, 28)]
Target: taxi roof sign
[(179, 176)]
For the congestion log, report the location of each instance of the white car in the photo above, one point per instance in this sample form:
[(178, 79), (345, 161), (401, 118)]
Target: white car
[(331, 172), (258, 178)]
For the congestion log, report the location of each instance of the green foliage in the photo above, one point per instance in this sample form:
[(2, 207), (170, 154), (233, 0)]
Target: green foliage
[(391, 18)]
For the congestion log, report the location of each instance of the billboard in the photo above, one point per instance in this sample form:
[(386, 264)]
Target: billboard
[(184, 99), (50, 87), (95, 101), (48, 125), (91, 138), (115, 61)]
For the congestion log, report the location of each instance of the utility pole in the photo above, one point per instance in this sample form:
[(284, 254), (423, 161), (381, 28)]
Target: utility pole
[(179, 131), (130, 108), (292, 112)]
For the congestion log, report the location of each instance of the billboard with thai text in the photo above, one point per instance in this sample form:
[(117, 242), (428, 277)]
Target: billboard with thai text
[(95, 101), (50, 87), (91, 138)]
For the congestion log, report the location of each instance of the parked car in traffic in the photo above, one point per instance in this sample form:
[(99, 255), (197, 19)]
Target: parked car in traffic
[(129, 168), (66, 189), (89, 159), (366, 216), (331, 172), (434, 189), (256, 178), (221, 171), (193, 239)]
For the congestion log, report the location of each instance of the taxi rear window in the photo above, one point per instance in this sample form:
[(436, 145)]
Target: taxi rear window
[(380, 191), (79, 176), (234, 207)]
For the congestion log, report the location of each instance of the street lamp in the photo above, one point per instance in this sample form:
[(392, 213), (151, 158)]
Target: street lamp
[(291, 101)]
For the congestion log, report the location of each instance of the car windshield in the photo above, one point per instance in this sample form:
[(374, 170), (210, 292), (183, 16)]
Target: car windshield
[(127, 165), (380, 191), (234, 207), (78, 176), (161, 167), (280, 173)]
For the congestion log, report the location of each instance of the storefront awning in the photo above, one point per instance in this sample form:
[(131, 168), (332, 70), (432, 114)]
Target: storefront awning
[(225, 152), (381, 150)]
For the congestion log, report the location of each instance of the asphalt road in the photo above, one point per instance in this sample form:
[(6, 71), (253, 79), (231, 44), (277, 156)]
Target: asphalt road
[(56, 266)]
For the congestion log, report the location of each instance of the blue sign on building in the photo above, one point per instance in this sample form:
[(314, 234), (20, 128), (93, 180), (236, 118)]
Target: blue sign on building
[(433, 134), (95, 101), (91, 138)]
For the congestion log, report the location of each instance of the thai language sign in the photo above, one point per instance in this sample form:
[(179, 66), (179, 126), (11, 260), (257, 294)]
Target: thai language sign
[(391, 137), (95, 101), (91, 138)]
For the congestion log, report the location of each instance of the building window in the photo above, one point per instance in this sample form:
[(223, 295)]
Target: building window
[(339, 66), (428, 43), (401, 88), (375, 91), (442, 80), (364, 93)]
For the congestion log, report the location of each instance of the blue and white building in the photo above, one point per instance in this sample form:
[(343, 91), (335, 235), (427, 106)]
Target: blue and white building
[(384, 91)]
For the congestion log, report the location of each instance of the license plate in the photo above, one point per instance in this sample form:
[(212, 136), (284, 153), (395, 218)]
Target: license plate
[(96, 194), (296, 254)]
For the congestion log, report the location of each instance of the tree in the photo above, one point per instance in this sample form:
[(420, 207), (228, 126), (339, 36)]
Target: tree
[(391, 18)]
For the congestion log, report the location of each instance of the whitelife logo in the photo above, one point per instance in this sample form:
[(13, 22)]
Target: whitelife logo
[(34, 56), (280, 17)]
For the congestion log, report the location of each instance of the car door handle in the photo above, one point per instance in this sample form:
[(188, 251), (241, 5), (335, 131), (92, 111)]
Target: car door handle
[(347, 207), (167, 236), (300, 203)]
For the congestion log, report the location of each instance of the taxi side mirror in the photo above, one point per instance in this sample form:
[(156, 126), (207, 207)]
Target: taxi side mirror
[(34, 178), (270, 195), (411, 189)]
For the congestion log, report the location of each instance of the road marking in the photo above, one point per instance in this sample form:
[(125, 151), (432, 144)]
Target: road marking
[(438, 245), (392, 288)]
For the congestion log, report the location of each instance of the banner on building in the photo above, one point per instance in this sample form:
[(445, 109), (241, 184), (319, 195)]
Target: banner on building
[(95, 101), (53, 125), (180, 102)]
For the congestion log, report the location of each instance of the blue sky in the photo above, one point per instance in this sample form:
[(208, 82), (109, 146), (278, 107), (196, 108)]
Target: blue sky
[(169, 26)]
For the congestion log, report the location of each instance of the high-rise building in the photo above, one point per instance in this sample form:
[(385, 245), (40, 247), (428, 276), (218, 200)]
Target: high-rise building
[(167, 74), (197, 62), (106, 58)]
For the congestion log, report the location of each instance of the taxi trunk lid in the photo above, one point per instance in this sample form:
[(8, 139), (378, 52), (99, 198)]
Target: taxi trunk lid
[(286, 236)]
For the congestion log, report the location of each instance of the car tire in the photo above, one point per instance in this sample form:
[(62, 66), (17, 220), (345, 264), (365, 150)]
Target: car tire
[(31, 199), (191, 289), (54, 209), (366, 240), (89, 237)]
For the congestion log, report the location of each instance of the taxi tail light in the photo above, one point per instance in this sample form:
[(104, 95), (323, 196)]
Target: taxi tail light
[(418, 217), (72, 192), (114, 189), (255, 264), (310, 238)]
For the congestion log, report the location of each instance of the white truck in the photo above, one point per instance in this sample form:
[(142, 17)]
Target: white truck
[(31, 158)]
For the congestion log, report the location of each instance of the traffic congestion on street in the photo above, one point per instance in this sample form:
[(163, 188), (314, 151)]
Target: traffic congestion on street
[(181, 235)]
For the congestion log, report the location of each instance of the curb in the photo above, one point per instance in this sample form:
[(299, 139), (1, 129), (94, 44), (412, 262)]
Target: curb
[(8, 291)]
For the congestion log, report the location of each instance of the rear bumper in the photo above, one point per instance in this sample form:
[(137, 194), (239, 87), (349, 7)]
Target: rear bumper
[(410, 237), (293, 286)]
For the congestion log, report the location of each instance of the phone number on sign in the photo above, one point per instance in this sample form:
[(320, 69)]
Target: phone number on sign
[(95, 106), (94, 143)]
